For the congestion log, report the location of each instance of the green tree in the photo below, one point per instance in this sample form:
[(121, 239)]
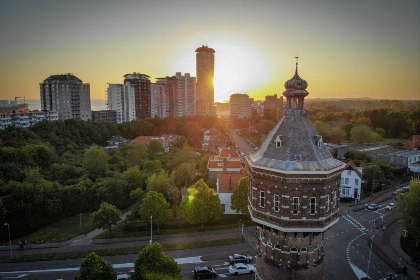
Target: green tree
[(156, 146), (152, 261), (184, 175), (106, 216), (203, 162), (137, 154), (161, 182), (152, 166), (187, 154), (182, 140), (93, 267), (272, 114), (95, 161), (408, 207), (155, 204), (373, 175), (240, 196), (134, 178), (201, 205), (361, 134)]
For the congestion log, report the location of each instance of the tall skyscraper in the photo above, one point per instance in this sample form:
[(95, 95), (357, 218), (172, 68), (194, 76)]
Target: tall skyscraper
[(293, 193), (66, 94), (141, 85), (205, 76), (272, 101)]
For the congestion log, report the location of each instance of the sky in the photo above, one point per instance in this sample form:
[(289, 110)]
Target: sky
[(346, 48)]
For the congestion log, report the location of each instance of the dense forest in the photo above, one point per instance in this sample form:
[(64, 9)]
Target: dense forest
[(57, 169)]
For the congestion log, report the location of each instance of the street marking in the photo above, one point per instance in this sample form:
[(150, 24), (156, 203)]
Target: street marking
[(16, 277), (359, 273), (189, 260)]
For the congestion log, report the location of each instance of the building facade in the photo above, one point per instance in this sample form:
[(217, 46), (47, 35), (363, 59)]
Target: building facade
[(171, 92), (121, 99), (225, 185), (187, 95), (351, 181), (272, 101), (68, 95), (26, 119), (159, 101), (104, 116), (205, 76), (293, 194), (140, 83), (240, 106)]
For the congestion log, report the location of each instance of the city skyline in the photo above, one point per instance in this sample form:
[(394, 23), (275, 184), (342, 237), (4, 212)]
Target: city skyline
[(347, 48)]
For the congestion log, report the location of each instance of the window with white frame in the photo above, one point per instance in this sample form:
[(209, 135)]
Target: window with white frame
[(276, 203), (262, 199), (356, 182), (327, 202), (346, 181), (342, 180), (334, 194), (312, 206), (295, 205), (348, 172)]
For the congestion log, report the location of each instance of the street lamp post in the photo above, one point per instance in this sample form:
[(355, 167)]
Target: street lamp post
[(81, 232), (10, 239), (242, 231), (151, 229)]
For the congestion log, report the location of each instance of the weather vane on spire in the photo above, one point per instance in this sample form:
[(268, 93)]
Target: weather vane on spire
[(297, 58)]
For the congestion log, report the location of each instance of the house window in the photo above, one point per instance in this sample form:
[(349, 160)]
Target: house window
[(348, 172), (342, 180), (327, 198), (295, 205), (276, 203), (262, 199), (334, 199), (346, 181), (313, 206), (356, 182)]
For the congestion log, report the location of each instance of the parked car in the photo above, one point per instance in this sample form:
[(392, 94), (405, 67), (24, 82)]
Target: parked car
[(238, 258), (240, 268), (373, 207), (204, 272), (390, 206), (405, 189)]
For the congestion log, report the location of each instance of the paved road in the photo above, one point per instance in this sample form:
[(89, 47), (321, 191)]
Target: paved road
[(188, 259)]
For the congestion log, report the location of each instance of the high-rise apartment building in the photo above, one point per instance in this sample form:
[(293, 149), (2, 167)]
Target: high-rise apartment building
[(140, 83), (205, 76), (159, 101), (121, 99), (240, 106), (187, 93), (171, 93), (66, 94)]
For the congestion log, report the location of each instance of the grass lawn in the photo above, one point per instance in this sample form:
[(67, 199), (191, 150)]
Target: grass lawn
[(60, 231), (408, 244), (174, 226), (119, 251), (391, 141)]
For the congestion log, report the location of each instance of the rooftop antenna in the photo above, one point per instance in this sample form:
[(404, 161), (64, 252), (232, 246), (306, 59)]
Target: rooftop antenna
[(297, 58)]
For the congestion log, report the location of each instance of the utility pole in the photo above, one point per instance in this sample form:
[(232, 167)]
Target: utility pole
[(151, 229), (10, 239)]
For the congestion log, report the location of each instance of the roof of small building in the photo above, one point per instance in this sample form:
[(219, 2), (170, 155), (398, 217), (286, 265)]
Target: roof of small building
[(351, 165), (118, 138), (228, 182), (233, 164), (147, 139), (228, 152)]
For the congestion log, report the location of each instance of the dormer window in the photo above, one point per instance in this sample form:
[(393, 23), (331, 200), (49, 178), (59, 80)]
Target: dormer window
[(318, 140), (279, 141)]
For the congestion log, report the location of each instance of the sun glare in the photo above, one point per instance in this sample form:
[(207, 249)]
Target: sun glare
[(238, 69)]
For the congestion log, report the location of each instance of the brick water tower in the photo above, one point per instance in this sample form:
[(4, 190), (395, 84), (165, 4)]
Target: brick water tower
[(293, 193)]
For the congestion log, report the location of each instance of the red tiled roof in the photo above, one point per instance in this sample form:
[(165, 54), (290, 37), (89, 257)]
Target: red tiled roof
[(233, 164), (214, 164), (228, 181), (354, 167), (228, 152)]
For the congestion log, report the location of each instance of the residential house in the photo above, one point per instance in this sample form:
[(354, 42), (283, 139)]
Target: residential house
[(116, 142), (226, 184), (351, 181)]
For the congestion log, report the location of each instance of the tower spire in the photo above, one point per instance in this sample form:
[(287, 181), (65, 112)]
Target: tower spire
[(297, 58)]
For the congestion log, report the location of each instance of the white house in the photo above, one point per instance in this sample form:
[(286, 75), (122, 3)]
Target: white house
[(226, 184), (351, 181)]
